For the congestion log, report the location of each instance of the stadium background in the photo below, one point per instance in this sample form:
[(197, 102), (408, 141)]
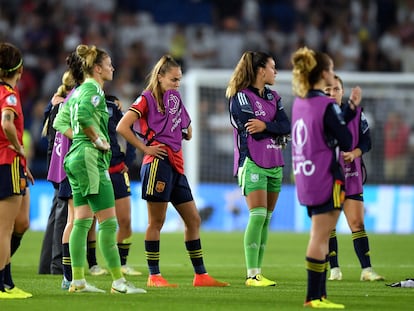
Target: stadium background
[(371, 41)]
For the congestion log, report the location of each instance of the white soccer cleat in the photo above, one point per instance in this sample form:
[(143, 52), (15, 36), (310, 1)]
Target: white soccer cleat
[(336, 274), (368, 274), (84, 288), (97, 271), (127, 270), (126, 288)]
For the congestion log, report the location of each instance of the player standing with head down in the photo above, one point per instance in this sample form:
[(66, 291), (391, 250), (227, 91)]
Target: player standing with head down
[(86, 165), (354, 171), (318, 128), (160, 118), (260, 129)]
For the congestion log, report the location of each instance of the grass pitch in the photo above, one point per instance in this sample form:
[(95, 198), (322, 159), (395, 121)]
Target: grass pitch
[(391, 256)]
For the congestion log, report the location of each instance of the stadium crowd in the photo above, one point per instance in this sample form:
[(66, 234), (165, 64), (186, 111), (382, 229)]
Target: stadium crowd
[(360, 35)]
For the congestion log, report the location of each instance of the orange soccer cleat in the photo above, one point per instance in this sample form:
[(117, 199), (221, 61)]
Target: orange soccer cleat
[(206, 280)]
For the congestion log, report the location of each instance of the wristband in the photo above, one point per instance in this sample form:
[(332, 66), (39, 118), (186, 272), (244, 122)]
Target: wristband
[(99, 143)]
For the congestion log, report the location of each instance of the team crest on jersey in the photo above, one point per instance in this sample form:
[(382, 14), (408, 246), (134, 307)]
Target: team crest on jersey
[(95, 100), (269, 96), (11, 100), (254, 177), (160, 186)]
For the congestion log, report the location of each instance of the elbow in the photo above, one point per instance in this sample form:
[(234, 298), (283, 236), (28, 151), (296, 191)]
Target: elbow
[(120, 129)]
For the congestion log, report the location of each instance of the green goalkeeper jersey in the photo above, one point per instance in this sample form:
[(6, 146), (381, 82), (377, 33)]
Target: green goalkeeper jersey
[(86, 107)]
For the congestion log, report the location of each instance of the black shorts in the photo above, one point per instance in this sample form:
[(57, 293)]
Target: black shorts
[(161, 183), (334, 203), (356, 197), (13, 179), (121, 185)]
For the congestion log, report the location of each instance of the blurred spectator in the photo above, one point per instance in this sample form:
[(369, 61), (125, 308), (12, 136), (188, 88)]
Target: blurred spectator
[(178, 45), (345, 47), (396, 142), (230, 41), (202, 49), (367, 35), (390, 45)]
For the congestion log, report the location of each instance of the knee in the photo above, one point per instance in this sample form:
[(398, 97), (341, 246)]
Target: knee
[(357, 225), (21, 226), (194, 223), (124, 222), (156, 224)]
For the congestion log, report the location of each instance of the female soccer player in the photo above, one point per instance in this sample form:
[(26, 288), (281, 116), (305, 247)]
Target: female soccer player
[(86, 165), (260, 128), (354, 171), (12, 165), (160, 117), (318, 129)]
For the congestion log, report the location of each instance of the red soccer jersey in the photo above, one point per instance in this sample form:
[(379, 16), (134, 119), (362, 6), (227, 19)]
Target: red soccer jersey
[(140, 106), (10, 99)]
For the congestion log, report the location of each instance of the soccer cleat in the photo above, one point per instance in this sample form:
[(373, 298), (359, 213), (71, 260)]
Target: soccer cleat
[(156, 280), (336, 274), (9, 295), (206, 280), (97, 271), (19, 292), (323, 304), (127, 270), (126, 288), (84, 288), (368, 274), (259, 281), (65, 284)]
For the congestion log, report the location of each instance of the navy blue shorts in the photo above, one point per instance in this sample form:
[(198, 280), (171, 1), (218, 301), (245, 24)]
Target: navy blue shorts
[(161, 183), (65, 191), (121, 184), (356, 197), (334, 203), (13, 179)]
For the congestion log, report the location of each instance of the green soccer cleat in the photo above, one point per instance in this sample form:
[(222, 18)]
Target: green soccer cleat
[(259, 281)]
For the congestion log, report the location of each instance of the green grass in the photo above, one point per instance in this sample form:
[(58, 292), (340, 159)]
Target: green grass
[(392, 256)]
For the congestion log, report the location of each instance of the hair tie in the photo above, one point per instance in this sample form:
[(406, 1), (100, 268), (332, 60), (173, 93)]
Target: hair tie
[(14, 68)]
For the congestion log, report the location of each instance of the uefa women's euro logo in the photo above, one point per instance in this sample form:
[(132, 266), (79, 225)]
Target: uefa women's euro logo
[(301, 165), (173, 101), (299, 136)]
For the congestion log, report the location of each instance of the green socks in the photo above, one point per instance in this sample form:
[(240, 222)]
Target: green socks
[(253, 236), (77, 246), (108, 246)]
